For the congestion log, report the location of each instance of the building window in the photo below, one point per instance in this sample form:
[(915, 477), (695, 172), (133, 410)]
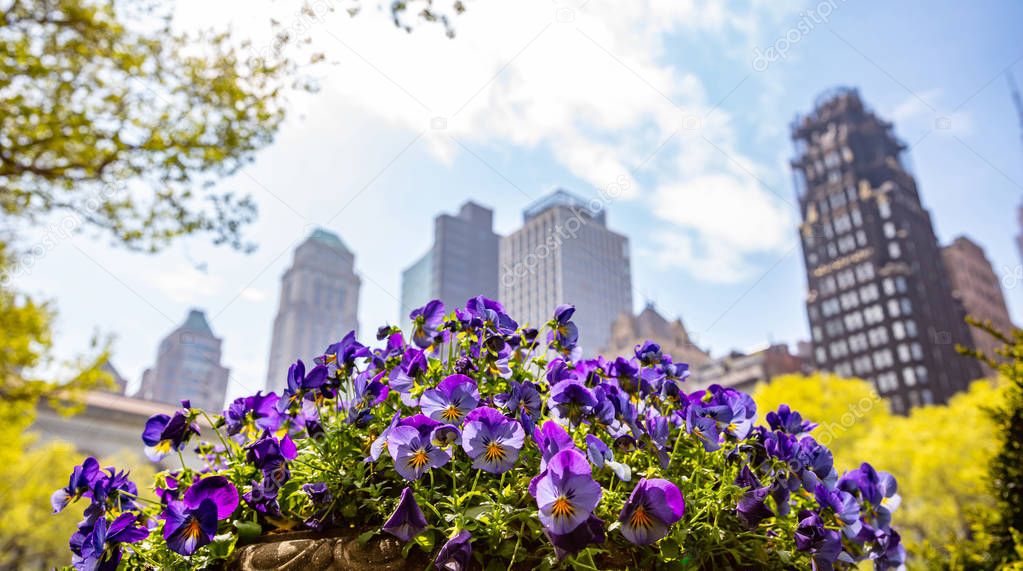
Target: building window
[(893, 250), (869, 293), (883, 359), (865, 271), (893, 308), (889, 230), (873, 314), (903, 351), (853, 321), (898, 330)]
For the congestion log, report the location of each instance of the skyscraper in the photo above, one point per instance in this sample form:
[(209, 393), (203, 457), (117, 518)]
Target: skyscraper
[(318, 305), (976, 285), (564, 253), (188, 367), (461, 263), (879, 301)]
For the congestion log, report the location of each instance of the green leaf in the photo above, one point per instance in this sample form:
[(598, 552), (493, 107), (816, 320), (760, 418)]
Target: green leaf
[(365, 537)]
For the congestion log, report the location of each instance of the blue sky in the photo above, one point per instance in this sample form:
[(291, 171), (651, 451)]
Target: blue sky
[(536, 94)]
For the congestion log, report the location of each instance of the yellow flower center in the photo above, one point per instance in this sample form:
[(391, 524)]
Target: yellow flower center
[(193, 530), (163, 446), (494, 452), (451, 413), (641, 519), (418, 459), (562, 507)]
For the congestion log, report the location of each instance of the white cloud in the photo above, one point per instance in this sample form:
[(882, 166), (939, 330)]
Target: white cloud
[(184, 283), (254, 295), (718, 222), (587, 82)]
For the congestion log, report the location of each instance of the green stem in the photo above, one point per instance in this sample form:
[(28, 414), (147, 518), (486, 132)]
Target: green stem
[(475, 481), (136, 497), (227, 448), (674, 450), (518, 542)]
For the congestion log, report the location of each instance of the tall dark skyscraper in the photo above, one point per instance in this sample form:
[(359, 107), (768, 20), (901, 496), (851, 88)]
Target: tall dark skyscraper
[(879, 300), (461, 263)]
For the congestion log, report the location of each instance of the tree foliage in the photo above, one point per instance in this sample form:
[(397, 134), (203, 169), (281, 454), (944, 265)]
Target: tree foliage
[(847, 409), (108, 113), (939, 454), (30, 535), (997, 539)]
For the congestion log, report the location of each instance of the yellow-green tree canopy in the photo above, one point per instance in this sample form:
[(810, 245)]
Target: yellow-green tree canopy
[(845, 409), (939, 454)]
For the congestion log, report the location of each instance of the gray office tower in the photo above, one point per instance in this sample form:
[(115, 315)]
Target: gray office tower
[(461, 263), (879, 301), (564, 253), (319, 304), (188, 367)]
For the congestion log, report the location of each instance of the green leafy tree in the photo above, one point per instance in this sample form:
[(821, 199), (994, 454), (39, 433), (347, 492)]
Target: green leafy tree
[(108, 114), (998, 534)]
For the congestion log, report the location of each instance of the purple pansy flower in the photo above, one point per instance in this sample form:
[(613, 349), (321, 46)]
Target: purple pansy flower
[(253, 414), (790, 421), (192, 522), (342, 354), (408, 520), (824, 544), (492, 440), (81, 481), (572, 400), (523, 401), (299, 383), (589, 532), (564, 331), (752, 507), (426, 323), (600, 455), (165, 434), (453, 398), (413, 453), (654, 506), (446, 435), (360, 396), (649, 353), (456, 554), (566, 493), (97, 545)]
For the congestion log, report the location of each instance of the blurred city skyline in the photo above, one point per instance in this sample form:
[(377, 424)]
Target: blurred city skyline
[(688, 108)]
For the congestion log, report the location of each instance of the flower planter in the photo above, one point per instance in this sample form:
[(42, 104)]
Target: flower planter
[(474, 443), (337, 550)]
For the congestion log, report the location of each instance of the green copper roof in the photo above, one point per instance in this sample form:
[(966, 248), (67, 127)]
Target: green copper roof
[(196, 322), (328, 238)]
